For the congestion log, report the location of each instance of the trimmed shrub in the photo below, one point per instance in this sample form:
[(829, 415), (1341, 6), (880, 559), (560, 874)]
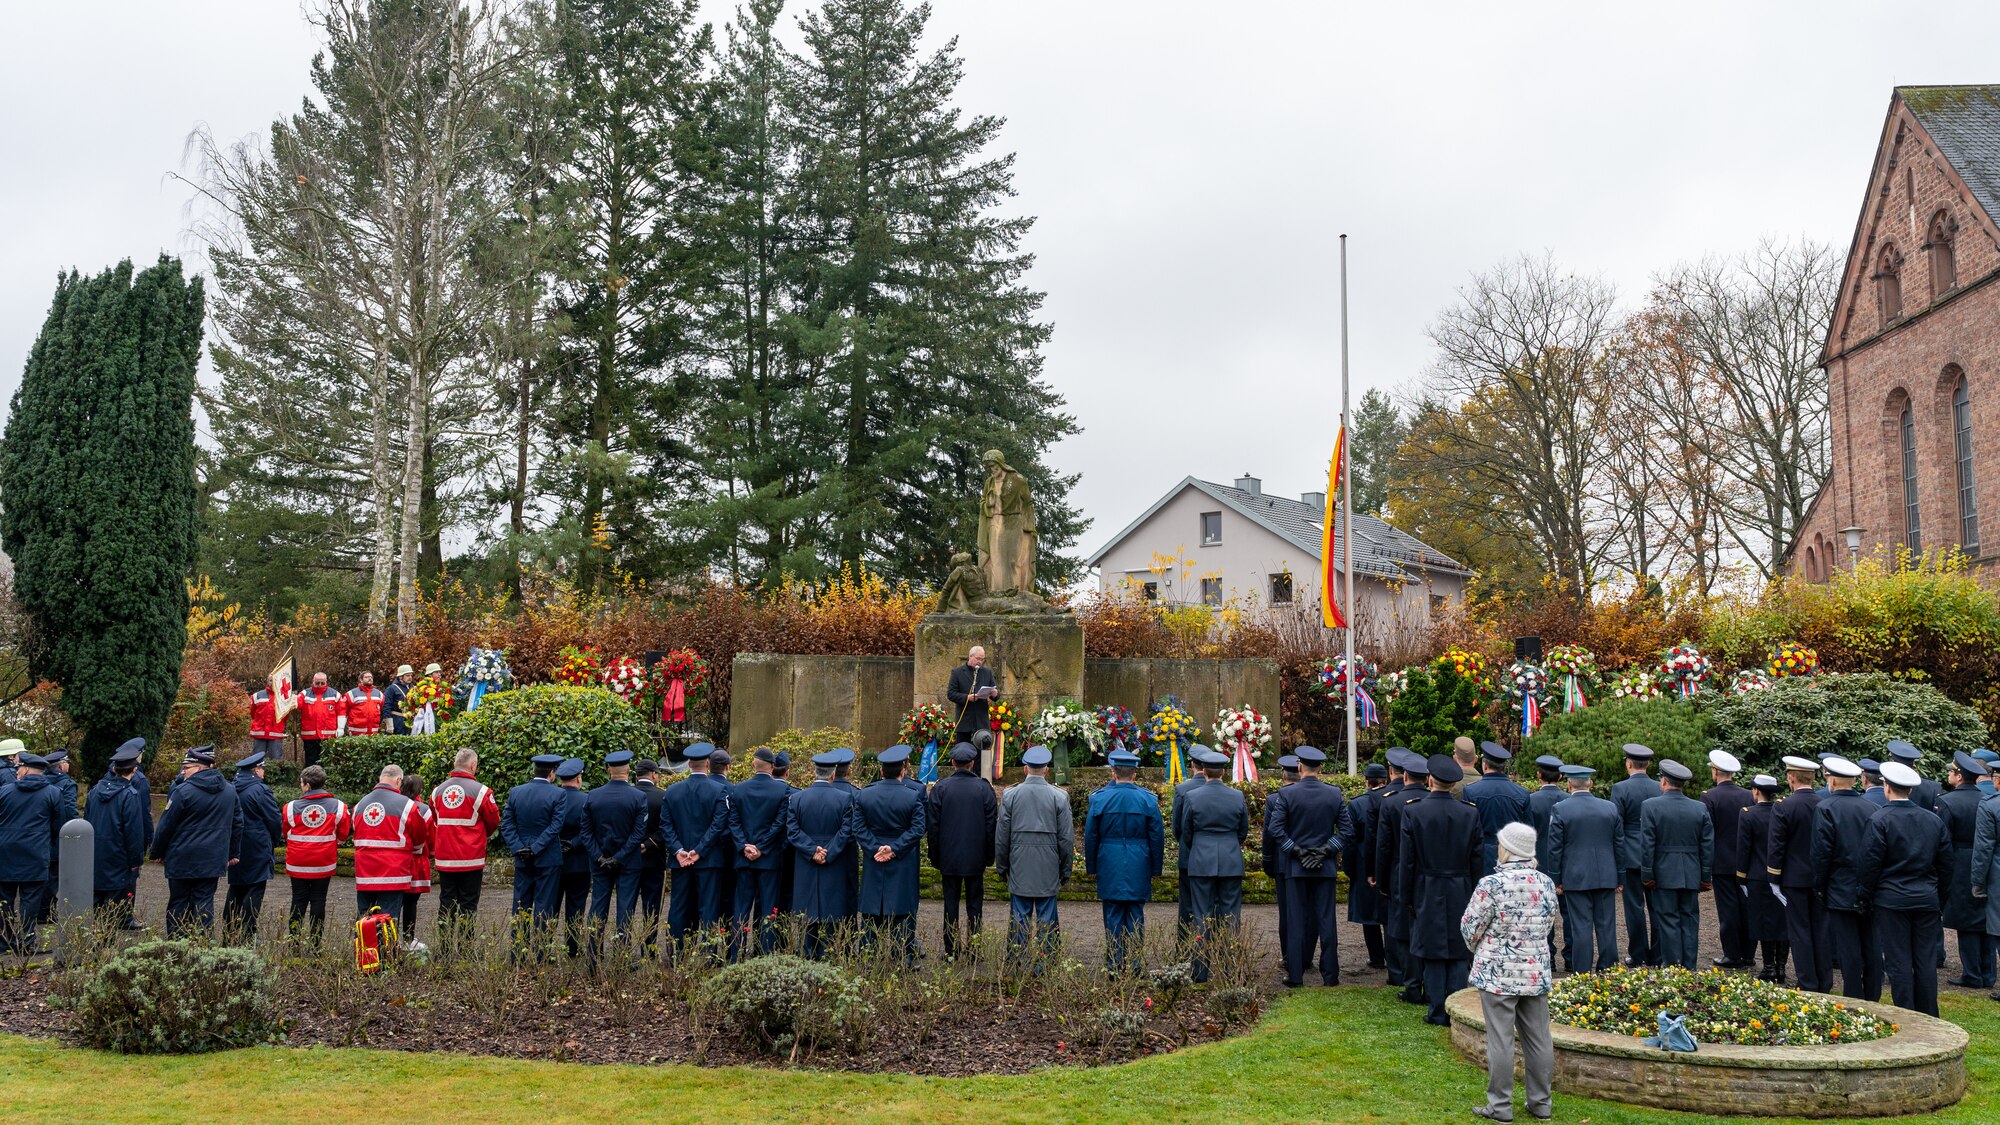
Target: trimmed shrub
[(178, 998), (1596, 736), (353, 764), (1851, 715), (780, 1003), (514, 726)]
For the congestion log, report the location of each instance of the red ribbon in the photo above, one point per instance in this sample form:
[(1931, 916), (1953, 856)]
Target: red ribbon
[(673, 708)]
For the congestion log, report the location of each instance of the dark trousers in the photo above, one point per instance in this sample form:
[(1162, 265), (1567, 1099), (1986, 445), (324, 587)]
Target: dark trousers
[(1287, 919), (1676, 925), (20, 906), (609, 889), (1371, 936), (898, 930), (1805, 928), (458, 894), (1124, 934), (1217, 904), (409, 915), (1909, 942), (971, 889), (537, 897), (309, 905), (1642, 943), (1732, 919), (241, 908), (117, 905), (1441, 979), (1851, 937), (1776, 954), (1396, 945), (573, 906), (756, 909), (388, 902), (312, 749), (1032, 918), (1977, 950), (1590, 922), (190, 905), (694, 902), (1315, 917), (652, 892)]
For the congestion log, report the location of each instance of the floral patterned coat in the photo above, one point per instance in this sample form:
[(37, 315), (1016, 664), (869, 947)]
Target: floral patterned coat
[(1507, 925)]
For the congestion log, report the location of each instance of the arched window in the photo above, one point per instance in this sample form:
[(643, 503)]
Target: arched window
[(1912, 519), (1961, 428), (1889, 285), (1938, 242), (1812, 565)]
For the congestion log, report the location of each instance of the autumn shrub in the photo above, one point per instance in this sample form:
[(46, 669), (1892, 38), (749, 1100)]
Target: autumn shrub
[(1853, 714), (1596, 736), (209, 709)]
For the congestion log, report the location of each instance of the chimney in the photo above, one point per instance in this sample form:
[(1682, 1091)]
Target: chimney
[(1250, 484), (1314, 500)]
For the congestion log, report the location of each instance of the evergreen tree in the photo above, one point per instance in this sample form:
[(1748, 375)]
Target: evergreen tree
[(1437, 707), (1378, 430), (98, 498)]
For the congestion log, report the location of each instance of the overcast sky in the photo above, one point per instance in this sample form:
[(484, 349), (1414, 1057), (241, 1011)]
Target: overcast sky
[(1191, 164)]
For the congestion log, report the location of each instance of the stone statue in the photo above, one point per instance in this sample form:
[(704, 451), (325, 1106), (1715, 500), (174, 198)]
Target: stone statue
[(1007, 536), (964, 591)]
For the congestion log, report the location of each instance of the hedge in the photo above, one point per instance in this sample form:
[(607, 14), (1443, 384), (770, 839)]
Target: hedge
[(1854, 715), (509, 728), (1596, 736)]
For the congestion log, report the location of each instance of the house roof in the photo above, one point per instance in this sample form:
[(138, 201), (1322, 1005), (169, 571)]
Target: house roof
[(1965, 123), (1380, 549)]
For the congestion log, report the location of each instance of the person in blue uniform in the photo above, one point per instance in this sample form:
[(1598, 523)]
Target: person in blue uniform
[(1989, 759), (1124, 848), (1963, 914), (121, 821), (1309, 825), (887, 823), (1905, 872), (573, 901), (1927, 791), (263, 826), (1767, 915), (652, 855), (1438, 864), (58, 774), (1288, 772), (757, 833), (1725, 801), (1871, 782), (1840, 834), (1788, 860), (1541, 803), (1403, 970), (1676, 855), (31, 820), (962, 815), (1500, 801), (199, 835), (614, 829), (532, 823), (1587, 836), (695, 826), (1630, 794), (1184, 905), (1364, 899), (1211, 822), (817, 827), (1984, 878)]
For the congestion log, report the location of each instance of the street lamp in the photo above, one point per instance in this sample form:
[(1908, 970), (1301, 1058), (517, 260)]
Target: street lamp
[(1853, 535)]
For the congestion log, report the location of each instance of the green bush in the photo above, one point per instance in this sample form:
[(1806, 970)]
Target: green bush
[(514, 726), (177, 998), (781, 1002), (1853, 715), (1436, 708), (354, 763), (1596, 736)]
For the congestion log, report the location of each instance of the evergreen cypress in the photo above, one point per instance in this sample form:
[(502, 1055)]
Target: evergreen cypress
[(98, 498)]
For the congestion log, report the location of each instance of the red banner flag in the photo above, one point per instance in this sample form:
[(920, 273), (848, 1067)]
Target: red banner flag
[(1330, 607)]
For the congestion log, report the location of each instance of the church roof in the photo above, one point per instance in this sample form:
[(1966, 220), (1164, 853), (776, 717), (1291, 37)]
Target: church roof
[(1965, 123)]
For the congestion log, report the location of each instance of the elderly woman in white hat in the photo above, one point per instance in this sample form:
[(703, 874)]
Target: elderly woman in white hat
[(1507, 927)]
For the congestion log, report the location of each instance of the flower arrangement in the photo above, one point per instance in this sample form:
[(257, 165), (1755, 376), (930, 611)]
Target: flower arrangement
[(1334, 676), (1067, 722), (1636, 682), (1749, 680), (484, 672), (578, 666), (673, 684), (1393, 684), (1686, 668), (1719, 1007), (1525, 681), (624, 676), (1002, 719), (926, 723), (1470, 666), (1243, 725), (1791, 659), (431, 705), (1577, 666), (1120, 728), (1171, 730)]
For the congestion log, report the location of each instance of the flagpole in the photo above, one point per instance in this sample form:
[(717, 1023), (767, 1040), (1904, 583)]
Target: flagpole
[(1347, 536)]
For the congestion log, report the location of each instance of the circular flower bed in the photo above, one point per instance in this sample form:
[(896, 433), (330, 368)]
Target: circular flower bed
[(1718, 1007)]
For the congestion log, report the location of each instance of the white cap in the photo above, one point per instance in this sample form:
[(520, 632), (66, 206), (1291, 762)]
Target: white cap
[(1806, 765), (405, 670), (11, 747), (1840, 767), (1764, 781), (1900, 775), (1724, 761), (433, 667)]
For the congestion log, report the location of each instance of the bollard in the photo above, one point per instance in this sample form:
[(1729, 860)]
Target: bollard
[(75, 884)]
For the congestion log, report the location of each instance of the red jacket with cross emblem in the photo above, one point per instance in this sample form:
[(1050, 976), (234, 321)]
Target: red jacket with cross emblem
[(463, 815), (319, 713), (388, 831), (363, 708), (315, 824), (264, 715)]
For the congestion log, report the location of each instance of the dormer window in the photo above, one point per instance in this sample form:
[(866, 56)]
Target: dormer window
[(1938, 243), (1889, 285)]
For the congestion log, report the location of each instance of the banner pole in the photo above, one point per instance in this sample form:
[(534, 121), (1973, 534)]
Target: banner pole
[(1347, 530)]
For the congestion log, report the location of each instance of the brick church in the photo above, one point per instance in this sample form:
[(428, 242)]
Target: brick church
[(1913, 354)]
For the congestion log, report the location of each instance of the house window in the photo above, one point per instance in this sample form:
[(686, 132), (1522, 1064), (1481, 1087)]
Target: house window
[(1889, 285), (1211, 528), (1211, 591), (1938, 241), (1152, 590), (1912, 521), (1281, 589), (1439, 603), (1968, 508)]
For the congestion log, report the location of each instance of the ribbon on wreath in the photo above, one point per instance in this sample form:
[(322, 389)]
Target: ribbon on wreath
[(472, 697), (1364, 711), (1173, 762), (999, 753), (927, 766), (1573, 699), (673, 705), (1687, 687), (1245, 763), (1531, 716), (426, 721)]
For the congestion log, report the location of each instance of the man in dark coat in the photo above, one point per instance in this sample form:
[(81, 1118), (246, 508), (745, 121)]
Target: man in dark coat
[(1840, 835), (757, 832), (58, 774), (1767, 916), (652, 853), (1307, 825), (972, 690), (1676, 854), (1905, 871), (1959, 810), (695, 826), (1927, 791), (1499, 799), (614, 829), (396, 704), (1415, 772), (1211, 822), (31, 821), (1788, 860), (199, 835), (1268, 859), (1726, 801), (1364, 899), (1642, 945), (888, 824), (1541, 803), (263, 826), (574, 883), (531, 823), (1439, 865), (1124, 847), (121, 821), (817, 826), (961, 816), (1586, 837)]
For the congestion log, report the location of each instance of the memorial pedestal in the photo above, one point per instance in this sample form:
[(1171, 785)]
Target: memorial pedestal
[(1036, 658)]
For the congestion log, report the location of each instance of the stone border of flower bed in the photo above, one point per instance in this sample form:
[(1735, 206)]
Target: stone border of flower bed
[(1918, 1069)]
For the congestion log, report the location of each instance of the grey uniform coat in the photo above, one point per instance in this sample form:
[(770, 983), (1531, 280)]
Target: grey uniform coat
[(1211, 822), (1676, 842), (1985, 873), (1586, 837), (1631, 795), (1034, 842)]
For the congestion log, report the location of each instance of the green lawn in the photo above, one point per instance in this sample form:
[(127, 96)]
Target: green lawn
[(1348, 1055)]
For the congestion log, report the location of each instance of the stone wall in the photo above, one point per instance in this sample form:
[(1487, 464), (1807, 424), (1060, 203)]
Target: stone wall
[(1206, 686), (771, 692)]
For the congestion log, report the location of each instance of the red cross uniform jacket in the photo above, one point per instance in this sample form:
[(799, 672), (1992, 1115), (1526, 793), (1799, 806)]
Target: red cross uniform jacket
[(420, 855), (464, 814), (363, 708), (319, 713), (315, 824), (264, 716), (388, 831)]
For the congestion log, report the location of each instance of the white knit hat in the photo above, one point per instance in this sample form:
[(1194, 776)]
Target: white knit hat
[(1518, 840)]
